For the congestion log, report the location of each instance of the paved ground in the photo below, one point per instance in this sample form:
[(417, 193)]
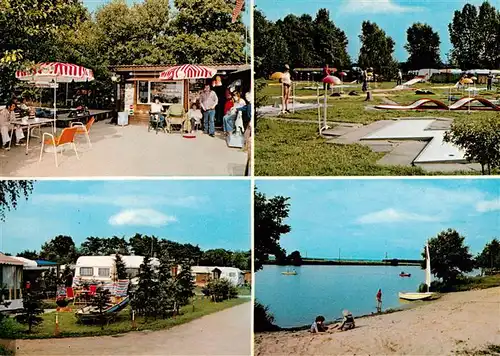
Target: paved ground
[(129, 151), (224, 333)]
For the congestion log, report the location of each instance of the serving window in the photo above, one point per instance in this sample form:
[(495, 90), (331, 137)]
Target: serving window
[(167, 92)]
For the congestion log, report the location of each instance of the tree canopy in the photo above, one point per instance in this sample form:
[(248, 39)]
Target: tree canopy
[(479, 138), (298, 41), (475, 36), (10, 193), (269, 226), (146, 32), (489, 258), (423, 47), (376, 50), (450, 257)]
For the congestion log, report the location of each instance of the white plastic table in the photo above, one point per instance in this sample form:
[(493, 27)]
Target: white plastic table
[(31, 124)]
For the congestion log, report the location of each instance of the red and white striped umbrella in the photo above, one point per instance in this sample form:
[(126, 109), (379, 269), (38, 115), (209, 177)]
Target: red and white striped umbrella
[(188, 71), (55, 72), (237, 10)]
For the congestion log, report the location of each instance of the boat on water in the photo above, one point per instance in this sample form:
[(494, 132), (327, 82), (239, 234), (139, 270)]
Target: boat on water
[(425, 295), (289, 273), (402, 274), (415, 296), (91, 313)]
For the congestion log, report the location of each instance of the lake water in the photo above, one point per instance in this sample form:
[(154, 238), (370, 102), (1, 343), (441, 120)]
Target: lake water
[(327, 290)]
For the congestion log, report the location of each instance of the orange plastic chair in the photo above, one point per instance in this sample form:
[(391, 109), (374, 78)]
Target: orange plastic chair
[(84, 129), (67, 137)]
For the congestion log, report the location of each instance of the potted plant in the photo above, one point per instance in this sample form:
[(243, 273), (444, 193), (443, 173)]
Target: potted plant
[(62, 302)]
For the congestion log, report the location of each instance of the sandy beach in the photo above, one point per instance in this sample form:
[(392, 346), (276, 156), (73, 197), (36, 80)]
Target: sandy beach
[(456, 323)]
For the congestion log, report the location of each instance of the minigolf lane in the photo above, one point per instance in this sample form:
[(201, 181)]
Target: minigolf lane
[(224, 333)]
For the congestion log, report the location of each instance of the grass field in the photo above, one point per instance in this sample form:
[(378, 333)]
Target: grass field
[(69, 327), (288, 148)]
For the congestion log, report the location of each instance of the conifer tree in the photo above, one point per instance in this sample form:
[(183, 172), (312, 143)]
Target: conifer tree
[(100, 302), (120, 268), (32, 307), (144, 298), (166, 287), (184, 286)]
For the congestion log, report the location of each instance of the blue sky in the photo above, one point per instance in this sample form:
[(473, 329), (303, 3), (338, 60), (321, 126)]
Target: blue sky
[(393, 16), (367, 218), (92, 5), (211, 213)]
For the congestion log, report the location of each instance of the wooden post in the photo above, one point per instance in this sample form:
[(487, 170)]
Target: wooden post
[(134, 325), (57, 332)]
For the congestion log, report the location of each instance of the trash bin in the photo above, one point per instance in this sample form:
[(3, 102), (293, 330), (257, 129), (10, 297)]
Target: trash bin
[(122, 118)]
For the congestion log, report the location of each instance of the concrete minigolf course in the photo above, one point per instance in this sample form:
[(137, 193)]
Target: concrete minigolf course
[(462, 104)]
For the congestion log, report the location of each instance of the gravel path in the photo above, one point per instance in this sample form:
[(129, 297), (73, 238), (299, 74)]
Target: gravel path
[(224, 333)]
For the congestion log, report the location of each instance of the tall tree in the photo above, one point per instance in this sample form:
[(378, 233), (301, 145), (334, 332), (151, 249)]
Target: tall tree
[(450, 257), (166, 286), (144, 296), (465, 34), (30, 255), (271, 51), (376, 50), (184, 285), (29, 28), (120, 268), (489, 37), (297, 33), (205, 29), (60, 249), (10, 193), (269, 226), (489, 258), (330, 42), (423, 47), (142, 245)]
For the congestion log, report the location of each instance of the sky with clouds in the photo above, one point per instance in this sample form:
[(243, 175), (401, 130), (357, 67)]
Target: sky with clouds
[(393, 16), (210, 213), (367, 218)]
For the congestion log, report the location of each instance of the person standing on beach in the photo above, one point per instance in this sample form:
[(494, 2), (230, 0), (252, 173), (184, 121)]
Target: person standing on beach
[(379, 301), (286, 81)]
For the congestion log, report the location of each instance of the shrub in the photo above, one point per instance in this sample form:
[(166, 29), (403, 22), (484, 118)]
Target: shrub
[(263, 319), (220, 290)]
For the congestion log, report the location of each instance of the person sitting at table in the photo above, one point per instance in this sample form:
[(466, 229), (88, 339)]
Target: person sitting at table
[(157, 109), (6, 117), (230, 117), (26, 110), (195, 115)]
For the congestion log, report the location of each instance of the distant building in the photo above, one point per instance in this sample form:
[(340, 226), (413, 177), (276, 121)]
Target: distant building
[(203, 274), (11, 278), (101, 269)]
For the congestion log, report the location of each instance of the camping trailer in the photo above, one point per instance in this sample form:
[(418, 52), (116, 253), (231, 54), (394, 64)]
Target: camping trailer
[(203, 274), (101, 269)]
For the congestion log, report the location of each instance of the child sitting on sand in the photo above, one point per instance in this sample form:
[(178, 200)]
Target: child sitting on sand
[(348, 321), (318, 325)]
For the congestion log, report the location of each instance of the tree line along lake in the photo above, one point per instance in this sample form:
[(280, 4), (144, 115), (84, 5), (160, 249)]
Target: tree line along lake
[(295, 300)]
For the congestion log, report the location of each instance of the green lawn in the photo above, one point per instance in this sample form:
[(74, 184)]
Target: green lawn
[(70, 328), (295, 149)]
